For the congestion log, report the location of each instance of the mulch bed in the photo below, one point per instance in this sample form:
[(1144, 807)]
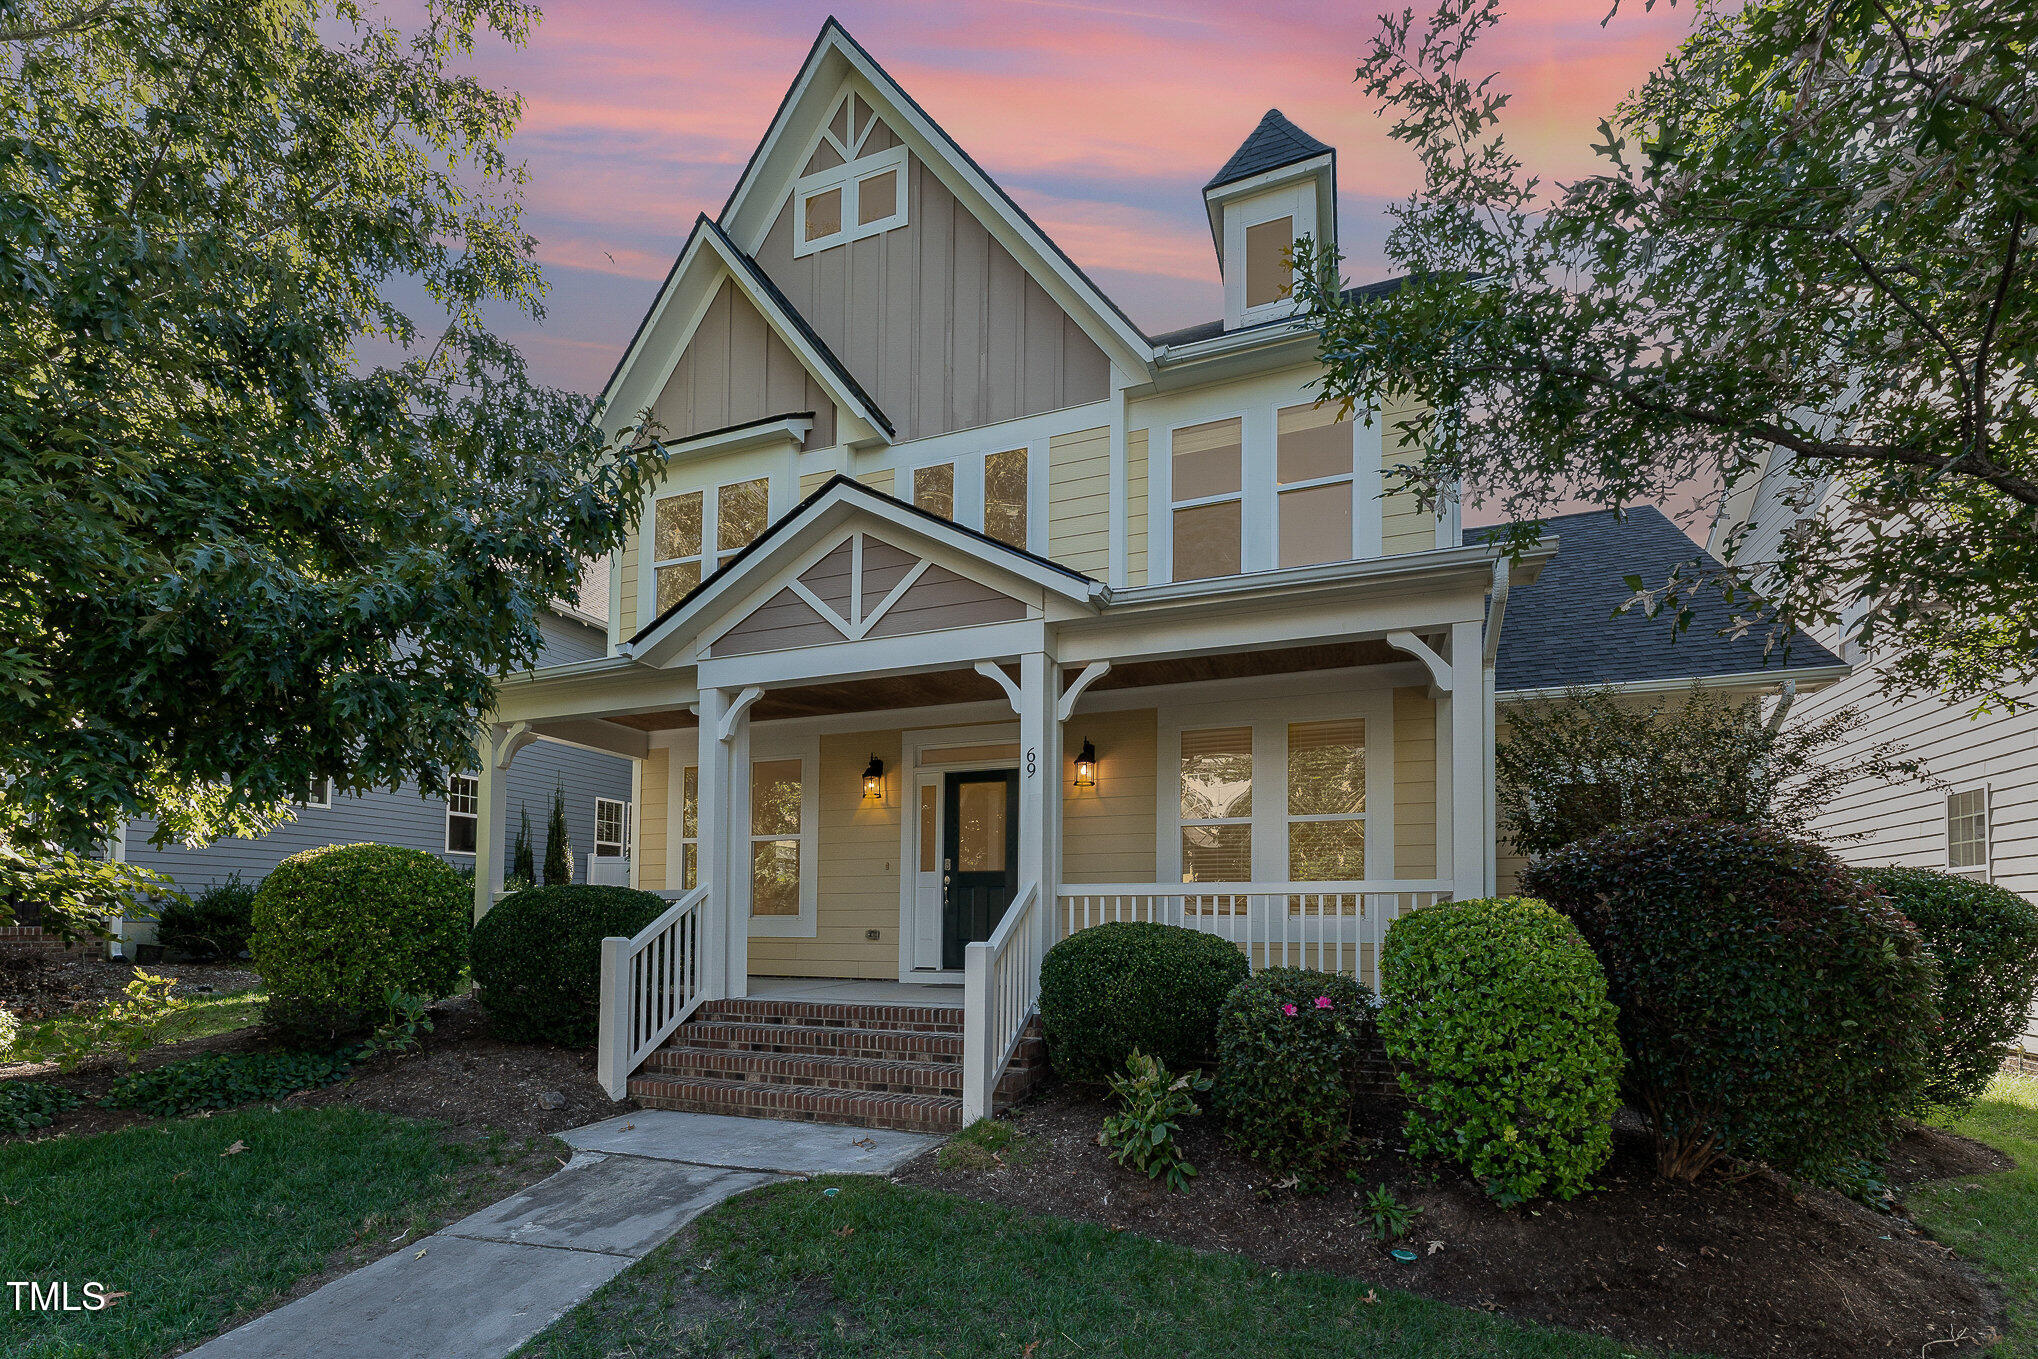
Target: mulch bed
[(460, 1077), (39, 983), (1750, 1268)]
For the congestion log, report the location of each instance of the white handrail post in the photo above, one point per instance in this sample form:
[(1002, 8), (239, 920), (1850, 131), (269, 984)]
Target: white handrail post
[(978, 1081), (612, 1059)]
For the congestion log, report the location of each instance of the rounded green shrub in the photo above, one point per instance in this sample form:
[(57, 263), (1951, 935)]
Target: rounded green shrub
[(336, 929), (213, 924), (1110, 989), (1985, 940), (1773, 1007), (1496, 1016), (1290, 1043), (537, 958)]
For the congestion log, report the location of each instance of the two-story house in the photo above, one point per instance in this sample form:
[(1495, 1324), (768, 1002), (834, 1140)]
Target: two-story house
[(967, 615)]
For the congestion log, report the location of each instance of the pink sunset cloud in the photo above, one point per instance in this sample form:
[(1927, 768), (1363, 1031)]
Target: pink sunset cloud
[(1102, 120)]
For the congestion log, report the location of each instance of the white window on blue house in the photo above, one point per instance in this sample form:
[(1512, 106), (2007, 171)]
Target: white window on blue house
[(463, 813), (316, 794), (611, 828)]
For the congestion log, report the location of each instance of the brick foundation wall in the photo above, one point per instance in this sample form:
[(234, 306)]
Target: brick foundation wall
[(2017, 1062), (26, 939)]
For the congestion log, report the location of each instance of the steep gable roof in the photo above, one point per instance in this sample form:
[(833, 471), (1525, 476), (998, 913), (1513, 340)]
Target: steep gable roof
[(1269, 146), (1562, 629), (771, 168)]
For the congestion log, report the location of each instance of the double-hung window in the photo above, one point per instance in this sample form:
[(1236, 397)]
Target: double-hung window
[(611, 828), (783, 811), (463, 813), (1314, 493), (1217, 804), (1967, 830), (1327, 801), (316, 793), (1208, 499), (991, 493), (689, 828), (694, 532)]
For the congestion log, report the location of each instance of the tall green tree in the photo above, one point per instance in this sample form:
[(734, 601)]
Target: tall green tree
[(1808, 241), (259, 525)]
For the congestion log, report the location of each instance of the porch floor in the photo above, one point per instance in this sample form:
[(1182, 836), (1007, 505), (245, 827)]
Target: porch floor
[(845, 991)]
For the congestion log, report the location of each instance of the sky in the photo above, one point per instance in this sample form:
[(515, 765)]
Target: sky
[(1103, 120)]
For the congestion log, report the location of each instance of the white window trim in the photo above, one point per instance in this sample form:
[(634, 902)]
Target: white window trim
[(1269, 719), (675, 871), (474, 816), (969, 484), (1296, 202), (1986, 868), (622, 846), (776, 490), (807, 751), (322, 803), (847, 177), (1164, 475)]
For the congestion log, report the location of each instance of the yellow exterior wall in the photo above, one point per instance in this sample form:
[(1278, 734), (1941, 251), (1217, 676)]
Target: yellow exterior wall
[(1135, 507), (1079, 500), (1404, 525), (626, 575), (878, 480), (1108, 832), (651, 804), (859, 872), (1415, 784), (811, 482)]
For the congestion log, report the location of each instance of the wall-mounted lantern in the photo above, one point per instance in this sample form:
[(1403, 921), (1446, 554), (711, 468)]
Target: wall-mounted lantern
[(874, 780), (1086, 765)]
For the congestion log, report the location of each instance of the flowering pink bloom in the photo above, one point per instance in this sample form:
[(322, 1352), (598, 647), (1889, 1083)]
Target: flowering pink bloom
[(1323, 1002), (1288, 1009)]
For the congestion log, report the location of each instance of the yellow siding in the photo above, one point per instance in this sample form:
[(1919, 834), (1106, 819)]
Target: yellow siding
[(1135, 507), (650, 847), (1108, 831), (879, 480), (811, 482), (1415, 784), (859, 872), (1404, 525), (1079, 500), (626, 575)]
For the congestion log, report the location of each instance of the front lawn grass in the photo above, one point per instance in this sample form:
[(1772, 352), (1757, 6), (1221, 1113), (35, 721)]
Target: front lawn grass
[(890, 1270), (195, 1231), (1993, 1219), (208, 1015)]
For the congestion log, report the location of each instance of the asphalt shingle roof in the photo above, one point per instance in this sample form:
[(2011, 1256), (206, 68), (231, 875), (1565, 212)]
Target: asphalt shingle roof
[(1206, 330), (1274, 143), (1562, 630)]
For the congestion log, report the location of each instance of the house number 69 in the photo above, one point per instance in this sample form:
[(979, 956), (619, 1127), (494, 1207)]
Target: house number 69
[(1032, 761)]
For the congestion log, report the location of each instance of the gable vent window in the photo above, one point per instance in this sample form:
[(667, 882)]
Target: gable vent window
[(855, 181), (1268, 275)]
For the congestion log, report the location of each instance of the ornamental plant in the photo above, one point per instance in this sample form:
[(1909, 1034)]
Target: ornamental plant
[(558, 843), (1496, 1016), (1289, 1047), (1113, 989), (537, 958), (1774, 1008), (1152, 1103), (1985, 941), (213, 924), (523, 870), (338, 928)]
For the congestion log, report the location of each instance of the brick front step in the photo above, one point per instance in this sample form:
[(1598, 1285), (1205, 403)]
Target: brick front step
[(830, 1015), (878, 1045), (799, 1069), (810, 1104)]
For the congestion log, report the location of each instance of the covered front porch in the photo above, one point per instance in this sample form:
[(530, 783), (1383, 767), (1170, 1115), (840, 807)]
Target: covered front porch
[(934, 802)]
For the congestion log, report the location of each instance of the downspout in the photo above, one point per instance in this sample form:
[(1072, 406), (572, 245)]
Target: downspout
[(1783, 706)]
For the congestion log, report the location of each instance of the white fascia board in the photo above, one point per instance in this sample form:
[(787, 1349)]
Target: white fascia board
[(1807, 678), (763, 433), (1474, 560), (750, 207)]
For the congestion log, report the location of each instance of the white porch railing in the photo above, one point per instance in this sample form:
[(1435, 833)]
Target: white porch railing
[(1000, 983), (608, 870), (1327, 926), (650, 983)]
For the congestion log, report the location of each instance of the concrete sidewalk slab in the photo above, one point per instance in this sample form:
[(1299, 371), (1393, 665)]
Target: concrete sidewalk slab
[(483, 1286), (752, 1143), (623, 1205)]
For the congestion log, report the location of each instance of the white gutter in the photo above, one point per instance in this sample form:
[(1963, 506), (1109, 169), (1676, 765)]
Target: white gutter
[(1412, 565), (1809, 677)]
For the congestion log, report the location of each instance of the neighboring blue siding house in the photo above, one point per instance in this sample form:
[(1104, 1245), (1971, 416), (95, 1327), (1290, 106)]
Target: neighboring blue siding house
[(599, 813)]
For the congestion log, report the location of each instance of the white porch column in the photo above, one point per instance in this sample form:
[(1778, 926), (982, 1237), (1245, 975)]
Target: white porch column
[(490, 803), (711, 853), (1469, 726), (1039, 772), (736, 834)]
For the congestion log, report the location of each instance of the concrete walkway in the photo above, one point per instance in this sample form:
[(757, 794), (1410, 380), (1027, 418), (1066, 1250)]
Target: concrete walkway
[(486, 1284)]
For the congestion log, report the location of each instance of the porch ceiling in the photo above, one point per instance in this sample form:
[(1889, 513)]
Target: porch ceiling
[(1241, 665), (932, 689)]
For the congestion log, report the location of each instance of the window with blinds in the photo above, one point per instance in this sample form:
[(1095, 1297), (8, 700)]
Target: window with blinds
[(1327, 801), (1208, 500), (1217, 805), (1314, 491), (775, 835)]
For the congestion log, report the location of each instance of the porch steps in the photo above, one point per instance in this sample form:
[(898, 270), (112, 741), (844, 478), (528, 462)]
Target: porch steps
[(871, 1066)]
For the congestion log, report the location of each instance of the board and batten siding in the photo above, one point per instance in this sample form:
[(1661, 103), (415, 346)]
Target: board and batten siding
[(736, 369), (938, 322), (858, 867), (1108, 832), (1079, 500), (1415, 784)]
